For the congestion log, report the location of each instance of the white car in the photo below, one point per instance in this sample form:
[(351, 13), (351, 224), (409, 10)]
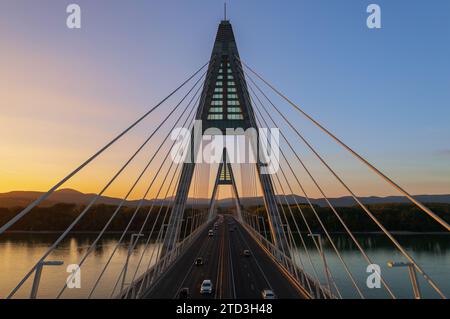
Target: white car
[(206, 287), (268, 294)]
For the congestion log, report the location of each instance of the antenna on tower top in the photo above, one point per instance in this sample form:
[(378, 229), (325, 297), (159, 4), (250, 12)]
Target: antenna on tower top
[(225, 11)]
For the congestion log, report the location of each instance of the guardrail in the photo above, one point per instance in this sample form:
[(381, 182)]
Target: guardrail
[(309, 286), (142, 285)]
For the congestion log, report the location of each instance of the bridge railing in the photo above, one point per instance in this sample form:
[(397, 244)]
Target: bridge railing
[(309, 286), (143, 284)]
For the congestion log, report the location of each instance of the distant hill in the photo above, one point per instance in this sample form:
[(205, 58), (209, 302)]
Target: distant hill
[(346, 201), (24, 198)]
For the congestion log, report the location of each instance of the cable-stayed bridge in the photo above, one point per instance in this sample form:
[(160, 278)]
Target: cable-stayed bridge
[(245, 251)]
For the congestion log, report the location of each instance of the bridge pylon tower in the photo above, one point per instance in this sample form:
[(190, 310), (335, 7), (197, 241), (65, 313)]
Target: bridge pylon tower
[(225, 176), (224, 106)]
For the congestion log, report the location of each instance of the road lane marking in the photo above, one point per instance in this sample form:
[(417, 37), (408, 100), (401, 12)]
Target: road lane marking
[(255, 259), (211, 267), (230, 255), (287, 275), (219, 268), (202, 248)]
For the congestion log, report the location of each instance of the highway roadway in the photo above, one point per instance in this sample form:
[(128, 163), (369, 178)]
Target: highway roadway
[(234, 276)]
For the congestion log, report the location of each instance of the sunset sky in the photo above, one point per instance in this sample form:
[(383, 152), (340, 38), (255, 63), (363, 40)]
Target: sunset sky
[(65, 93)]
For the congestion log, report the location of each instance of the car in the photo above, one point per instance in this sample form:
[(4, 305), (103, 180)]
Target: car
[(211, 233), (268, 294), (206, 287), (198, 261), (184, 293), (247, 253)]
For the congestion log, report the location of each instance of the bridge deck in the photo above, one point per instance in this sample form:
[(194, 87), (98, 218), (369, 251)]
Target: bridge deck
[(233, 275)]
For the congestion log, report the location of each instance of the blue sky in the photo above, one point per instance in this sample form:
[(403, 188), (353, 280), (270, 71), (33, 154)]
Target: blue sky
[(385, 92)]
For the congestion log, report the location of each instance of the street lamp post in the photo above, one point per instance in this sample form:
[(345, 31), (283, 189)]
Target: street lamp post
[(193, 220), (264, 226), (246, 218), (290, 240), (38, 273), (133, 240), (324, 260), (185, 226), (412, 276), (289, 235), (253, 221), (257, 223)]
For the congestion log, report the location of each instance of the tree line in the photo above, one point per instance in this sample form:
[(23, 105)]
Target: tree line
[(395, 217), (60, 216)]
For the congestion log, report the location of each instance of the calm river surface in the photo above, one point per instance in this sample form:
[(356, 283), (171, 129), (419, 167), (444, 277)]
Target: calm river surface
[(18, 252)]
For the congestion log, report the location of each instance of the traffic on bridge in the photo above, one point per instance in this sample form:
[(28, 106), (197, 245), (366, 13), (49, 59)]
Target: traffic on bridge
[(234, 263)]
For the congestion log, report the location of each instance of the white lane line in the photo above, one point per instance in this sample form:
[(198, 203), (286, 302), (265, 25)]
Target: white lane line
[(219, 265), (231, 266), (256, 260), (202, 248)]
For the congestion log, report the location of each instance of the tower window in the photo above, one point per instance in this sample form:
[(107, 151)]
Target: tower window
[(215, 117), (235, 117)]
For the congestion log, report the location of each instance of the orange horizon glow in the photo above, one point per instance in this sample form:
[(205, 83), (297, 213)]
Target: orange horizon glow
[(58, 105)]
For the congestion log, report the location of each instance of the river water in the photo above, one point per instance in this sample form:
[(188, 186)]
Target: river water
[(19, 252)]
